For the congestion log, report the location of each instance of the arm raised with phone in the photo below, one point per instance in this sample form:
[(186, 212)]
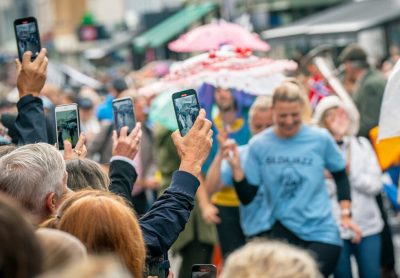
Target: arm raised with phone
[(31, 76)]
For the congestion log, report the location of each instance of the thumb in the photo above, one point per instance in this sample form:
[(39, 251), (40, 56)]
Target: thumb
[(114, 138), (18, 65)]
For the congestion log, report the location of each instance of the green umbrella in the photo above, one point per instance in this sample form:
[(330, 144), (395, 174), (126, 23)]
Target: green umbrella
[(162, 111)]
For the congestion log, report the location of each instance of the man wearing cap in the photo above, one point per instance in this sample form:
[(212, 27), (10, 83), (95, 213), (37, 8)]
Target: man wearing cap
[(369, 83)]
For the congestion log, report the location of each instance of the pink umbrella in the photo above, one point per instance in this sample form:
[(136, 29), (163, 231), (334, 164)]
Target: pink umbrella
[(228, 69), (213, 36)]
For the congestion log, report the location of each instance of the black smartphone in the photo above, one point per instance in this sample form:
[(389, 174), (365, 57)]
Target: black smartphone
[(204, 271), (67, 124), (124, 113), (27, 36), (186, 107)]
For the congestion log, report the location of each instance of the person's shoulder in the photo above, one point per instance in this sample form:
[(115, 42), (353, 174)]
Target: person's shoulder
[(361, 141), (260, 138), (375, 78), (316, 131)]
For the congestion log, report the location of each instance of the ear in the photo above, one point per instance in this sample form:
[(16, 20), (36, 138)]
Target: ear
[(51, 203)]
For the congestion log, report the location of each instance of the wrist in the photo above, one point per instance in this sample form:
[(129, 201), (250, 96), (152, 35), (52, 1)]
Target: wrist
[(190, 167), (345, 213), (23, 93)]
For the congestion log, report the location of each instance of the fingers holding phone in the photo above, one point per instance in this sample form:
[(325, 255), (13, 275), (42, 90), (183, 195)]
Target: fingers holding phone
[(79, 151), (31, 76), (127, 145)]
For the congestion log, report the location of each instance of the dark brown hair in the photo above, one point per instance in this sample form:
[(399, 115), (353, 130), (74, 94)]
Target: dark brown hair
[(20, 252)]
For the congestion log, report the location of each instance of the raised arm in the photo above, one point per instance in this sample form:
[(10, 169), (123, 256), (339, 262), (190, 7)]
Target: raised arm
[(31, 76), (167, 217), (122, 171)]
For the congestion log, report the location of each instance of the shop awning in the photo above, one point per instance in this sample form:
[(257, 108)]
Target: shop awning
[(349, 17), (172, 26)]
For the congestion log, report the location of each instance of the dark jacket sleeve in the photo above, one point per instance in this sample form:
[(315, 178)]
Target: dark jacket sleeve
[(165, 220), (31, 122), (122, 176)]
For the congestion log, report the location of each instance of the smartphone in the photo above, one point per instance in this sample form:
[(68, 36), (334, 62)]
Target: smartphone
[(27, 36), (204, 271), (67, 124), (186, 107), (124, 113)]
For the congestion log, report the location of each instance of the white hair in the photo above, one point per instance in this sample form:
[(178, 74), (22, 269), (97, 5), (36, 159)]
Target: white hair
[(270, 259), (30, 173)]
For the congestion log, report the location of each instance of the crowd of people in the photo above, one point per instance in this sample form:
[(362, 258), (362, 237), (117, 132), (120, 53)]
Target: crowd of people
[(281, 183)]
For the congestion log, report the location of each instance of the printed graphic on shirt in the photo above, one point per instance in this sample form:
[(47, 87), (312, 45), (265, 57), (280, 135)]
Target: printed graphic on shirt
[(291, 181)]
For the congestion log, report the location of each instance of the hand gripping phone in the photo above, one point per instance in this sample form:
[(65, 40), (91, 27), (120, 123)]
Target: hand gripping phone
[(67, 124), (186, 107), (124, 114), (27, 36), (204, 271)]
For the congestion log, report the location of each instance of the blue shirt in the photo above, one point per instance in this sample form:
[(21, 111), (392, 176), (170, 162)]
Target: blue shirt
[(254, 217), (240, 133), (105, 111), (292, 172)]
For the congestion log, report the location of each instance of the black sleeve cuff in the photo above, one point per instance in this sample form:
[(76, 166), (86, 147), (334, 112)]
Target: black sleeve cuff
[(342, 185), (245, 191), (27, 99)]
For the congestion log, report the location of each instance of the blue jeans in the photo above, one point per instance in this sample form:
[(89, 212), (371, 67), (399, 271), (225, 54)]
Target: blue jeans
[(367, 254)]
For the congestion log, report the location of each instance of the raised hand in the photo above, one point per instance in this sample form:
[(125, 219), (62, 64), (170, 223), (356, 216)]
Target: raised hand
[(31, 76), (127, 145), (79, 151)]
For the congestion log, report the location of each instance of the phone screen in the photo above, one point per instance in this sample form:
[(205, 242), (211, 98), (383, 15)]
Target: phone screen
[(204, 271), (124, 114), (186, 108), (67, 122), (27, 35), (203, 275)]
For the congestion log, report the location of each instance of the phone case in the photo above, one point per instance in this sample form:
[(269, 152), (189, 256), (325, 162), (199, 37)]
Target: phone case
[(27, 36), (129, 121), (60, 143), (186, 108)]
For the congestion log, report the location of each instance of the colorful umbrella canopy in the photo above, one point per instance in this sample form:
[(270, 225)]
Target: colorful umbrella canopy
[(237, 69), (245, 74), (212, 36)]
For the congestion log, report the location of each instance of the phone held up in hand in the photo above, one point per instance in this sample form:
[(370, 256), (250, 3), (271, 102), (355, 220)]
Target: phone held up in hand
[(124, 114), (186, 107), (27, 36), (67, 124), (204, 271)]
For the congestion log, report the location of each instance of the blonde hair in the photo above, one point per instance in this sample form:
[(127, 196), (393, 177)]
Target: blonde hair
[(106, 266), (262, 103), (60, 248), (271, 259), (291, 90)]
